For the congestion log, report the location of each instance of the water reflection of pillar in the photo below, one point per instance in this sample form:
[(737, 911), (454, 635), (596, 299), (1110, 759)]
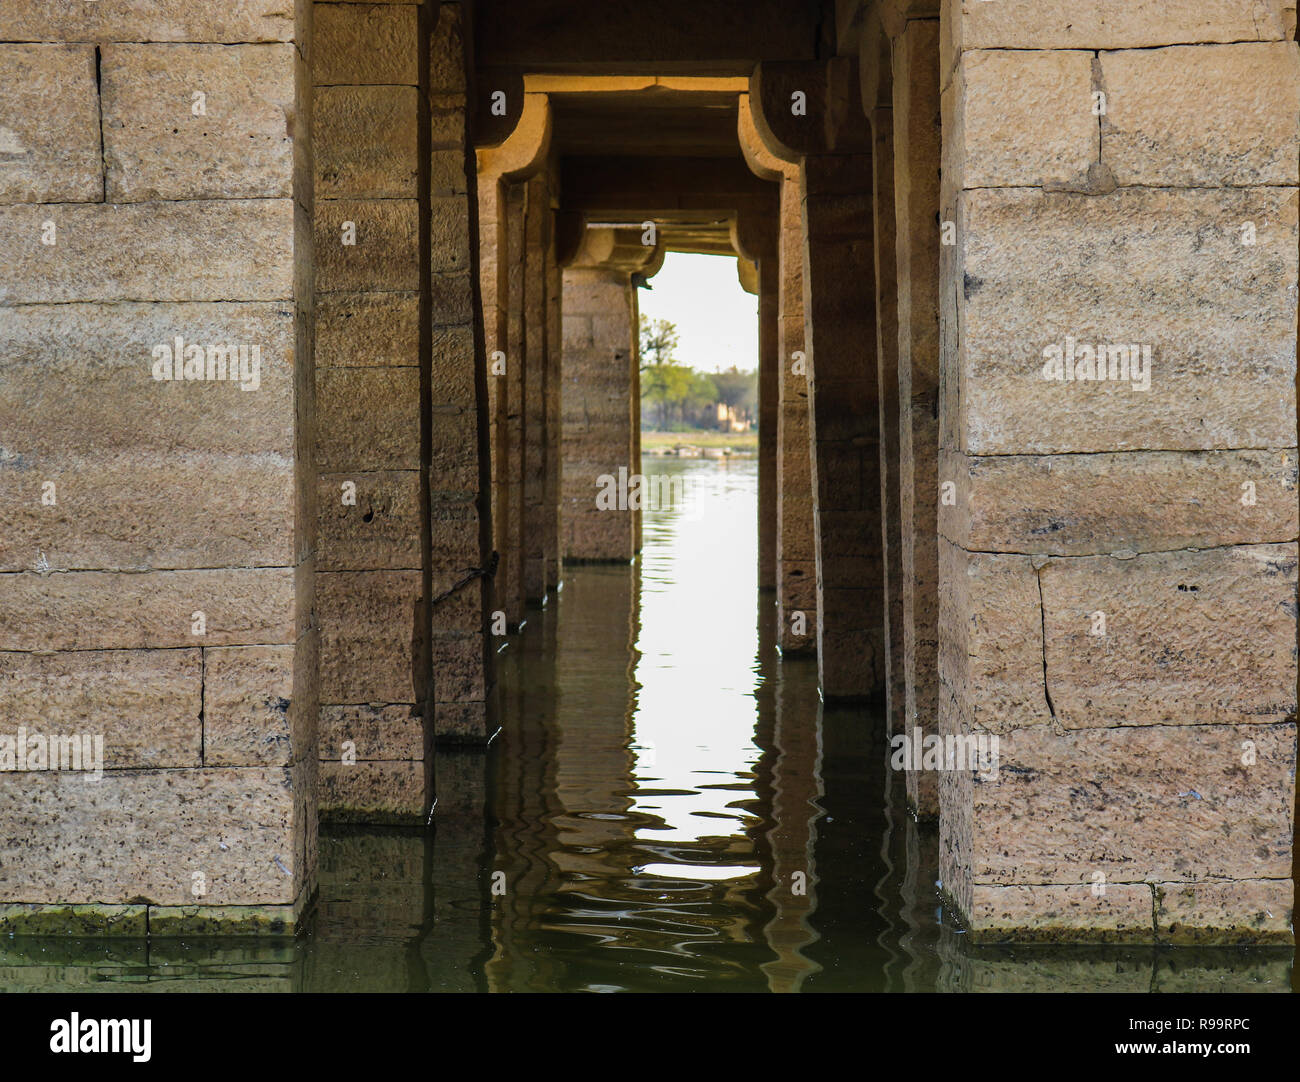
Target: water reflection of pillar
[(796, 792), (525, 808), (452, 941), (593, 719), (893, 863), (920, 897)]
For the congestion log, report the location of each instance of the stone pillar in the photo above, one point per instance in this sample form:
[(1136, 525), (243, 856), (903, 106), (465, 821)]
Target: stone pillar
[(371, 506), (156, 477), (510, 533), (600, 398), (1118, 555), (877, 94), (916, 194), (769, 378), (839, 319), (795, 550), (554, 352), (457, 463), (796, 546), (811, 113), (756, 240), (537, 212), (503, 184)]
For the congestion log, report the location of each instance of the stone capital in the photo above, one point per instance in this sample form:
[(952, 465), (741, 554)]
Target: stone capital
[(894, 14), (876, 65), (498, 104), (618, 250), (806, 108), (761, 161), (747, 273), (525, 148), (753, 236)]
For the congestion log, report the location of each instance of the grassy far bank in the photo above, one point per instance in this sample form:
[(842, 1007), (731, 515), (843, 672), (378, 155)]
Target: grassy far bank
[(737, 441)]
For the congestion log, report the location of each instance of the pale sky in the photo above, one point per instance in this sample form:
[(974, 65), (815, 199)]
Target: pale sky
[(717, 320)]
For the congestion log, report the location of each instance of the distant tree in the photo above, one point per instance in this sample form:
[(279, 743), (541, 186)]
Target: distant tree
[(699, 396), (668, 386), (736, 389), (659, 341), (664, 382)]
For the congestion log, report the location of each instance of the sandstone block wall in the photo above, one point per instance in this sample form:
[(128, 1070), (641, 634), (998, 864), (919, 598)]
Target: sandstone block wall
[(1118, 555), (156, 569)]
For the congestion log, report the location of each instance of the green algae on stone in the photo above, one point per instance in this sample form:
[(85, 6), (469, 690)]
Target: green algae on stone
[(23, 919)]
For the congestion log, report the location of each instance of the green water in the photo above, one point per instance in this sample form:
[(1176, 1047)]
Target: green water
[(668, 807)]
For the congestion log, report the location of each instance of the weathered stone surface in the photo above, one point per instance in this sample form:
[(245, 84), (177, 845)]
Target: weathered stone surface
[(380, 531), (458, 667), (991, 655), (394, 792), (239, 145), (1165, 803), (376, 731), (370, 636), (1110, 24), (452, 299), (1159, 268), (205, 250), (447, 51), (146, 704), (385, 255), (135, 512), (453, 434), (247, 692), (365, 142), (1062, 914), (450, 232), (1021, 118), (462, 722), (358, 44), (453, 365), (79, 841), (368, 419), (49, 130), (455, 529), (158, 20), (448, 173), (363, 330), (1250, 911), (93, 610), (1079, 505), (1191, 638), (103, 355), (1205, 115)]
